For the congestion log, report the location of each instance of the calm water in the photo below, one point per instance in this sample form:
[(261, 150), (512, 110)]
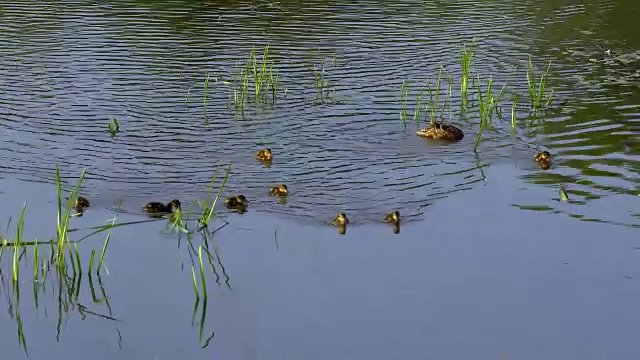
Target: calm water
[(490, 261)]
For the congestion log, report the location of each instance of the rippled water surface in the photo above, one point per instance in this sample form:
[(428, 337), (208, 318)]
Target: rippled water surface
[(68, 67)]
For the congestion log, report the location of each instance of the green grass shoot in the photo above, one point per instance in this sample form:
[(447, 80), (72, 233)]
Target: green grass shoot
[(417, 111), (265, 80), (208, 208), (404, 89), (114, 127), (537, 89), (514, 107), (64, 216), (206, 91), (466, 55)]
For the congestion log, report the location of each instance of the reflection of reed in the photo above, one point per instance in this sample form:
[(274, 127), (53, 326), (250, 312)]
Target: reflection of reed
[(197, 261), (68, 287)]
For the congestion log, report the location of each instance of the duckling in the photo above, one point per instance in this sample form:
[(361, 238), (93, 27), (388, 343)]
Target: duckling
[(280, 190), (393, 218), (236, 202), (264, 155), (81, 203), (441, 131), (543, 159), (158, 207), (341, 220)]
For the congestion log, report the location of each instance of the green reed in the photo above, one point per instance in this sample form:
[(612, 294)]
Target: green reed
[(65, 216), (114, 127), (487, 105), (261, 72), (206, 91), (202, 278), (418, 109), (404, 91), (514, 106), (434, 96), (563, 193), (17, 247), (209, 207), (466, 54), (538, 90), (104, 250)]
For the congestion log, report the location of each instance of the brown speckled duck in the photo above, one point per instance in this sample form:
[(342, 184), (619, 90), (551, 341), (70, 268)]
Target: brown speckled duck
[(438, 130)]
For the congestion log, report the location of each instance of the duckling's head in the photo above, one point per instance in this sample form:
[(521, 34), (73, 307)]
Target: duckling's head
[(242, 200), (268, 151), (282, 189), (174, 205)]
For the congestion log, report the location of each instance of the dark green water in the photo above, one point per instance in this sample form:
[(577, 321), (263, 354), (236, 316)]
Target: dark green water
[(488, 262)]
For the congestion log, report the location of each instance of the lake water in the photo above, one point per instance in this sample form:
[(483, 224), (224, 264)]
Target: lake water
[(490, 263)]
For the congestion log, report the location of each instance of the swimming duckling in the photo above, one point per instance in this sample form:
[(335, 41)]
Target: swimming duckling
[(393, 218), (543, 159), (441, 131), (236, 202), (264, 155), (279, 190), (81, 203), (341, 219), (158, 207)]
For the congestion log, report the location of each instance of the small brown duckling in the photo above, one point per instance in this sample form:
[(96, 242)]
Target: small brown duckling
[(264, 155), (393, 218), (341, 219), (81, 204), (280, 190), (441, 131), (543, 159), (236, 202), (158, 207)]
